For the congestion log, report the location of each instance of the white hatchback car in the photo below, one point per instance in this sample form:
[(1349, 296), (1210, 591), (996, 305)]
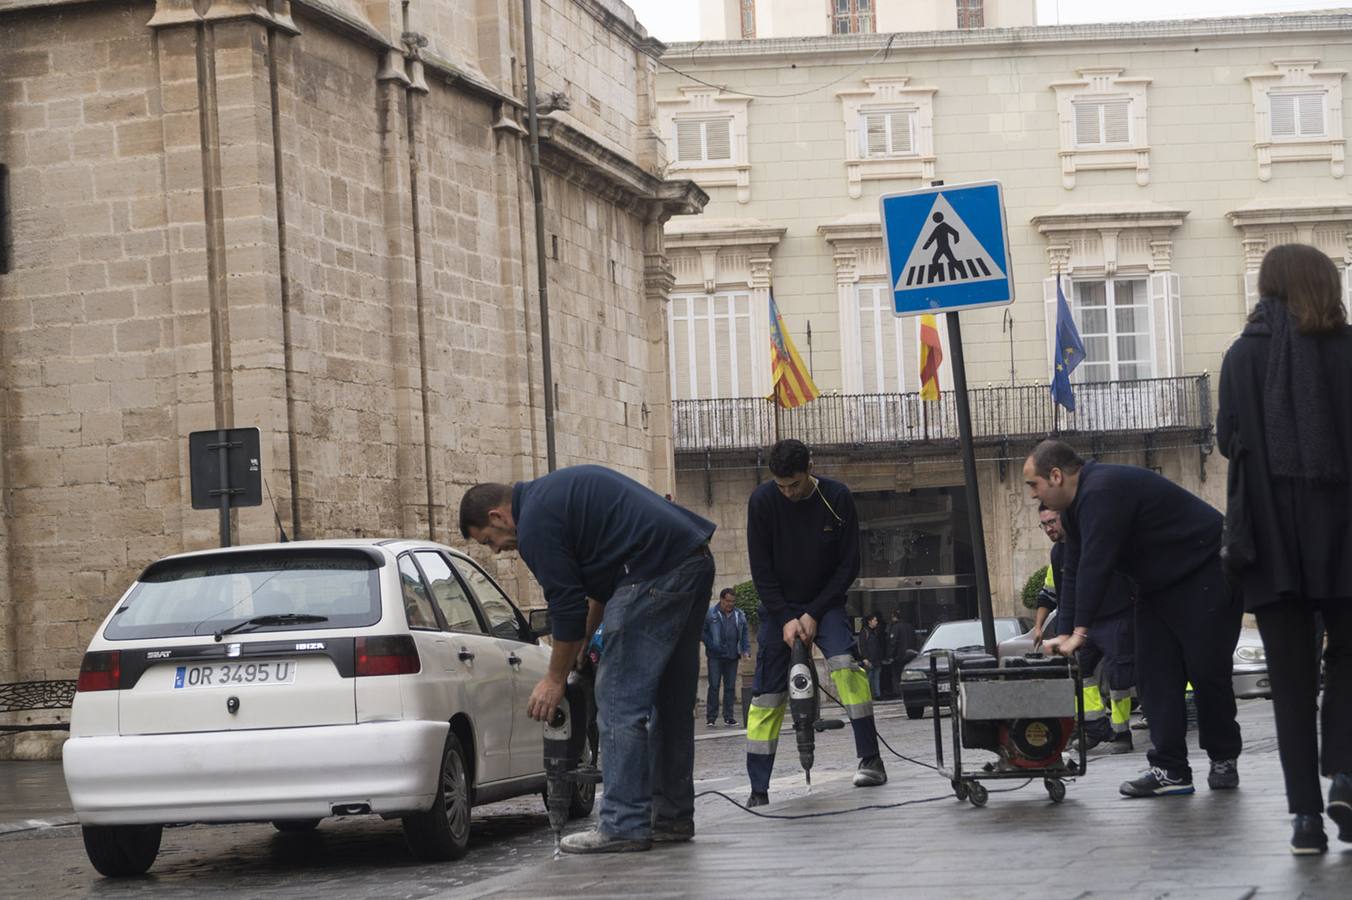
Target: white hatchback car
[(292, 682)]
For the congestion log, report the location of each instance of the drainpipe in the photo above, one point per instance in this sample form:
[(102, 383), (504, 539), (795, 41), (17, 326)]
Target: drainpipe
[(542, 276)]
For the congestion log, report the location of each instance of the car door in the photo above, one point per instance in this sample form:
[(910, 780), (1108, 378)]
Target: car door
[(529, 663), (480, 668)]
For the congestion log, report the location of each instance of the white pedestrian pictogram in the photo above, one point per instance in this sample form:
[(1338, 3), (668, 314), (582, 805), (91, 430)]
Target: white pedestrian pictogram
[(946, 252)]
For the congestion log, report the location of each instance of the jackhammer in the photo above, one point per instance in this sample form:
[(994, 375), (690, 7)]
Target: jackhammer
[(565, 748), (805, 707)]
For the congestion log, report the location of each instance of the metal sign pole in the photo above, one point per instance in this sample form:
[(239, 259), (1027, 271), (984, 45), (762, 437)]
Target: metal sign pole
[(223, 449), (983, 581)]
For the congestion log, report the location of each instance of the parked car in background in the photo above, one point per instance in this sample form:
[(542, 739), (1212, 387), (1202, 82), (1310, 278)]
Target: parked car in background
[(962, 636), (1250, 662), (293, 682)]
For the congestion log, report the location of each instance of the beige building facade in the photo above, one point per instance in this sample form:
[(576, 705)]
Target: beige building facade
[(1147, 166), (314, 218), (721, 20)]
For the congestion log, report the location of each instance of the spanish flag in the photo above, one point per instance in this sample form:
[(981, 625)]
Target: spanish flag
[(791, 382), (931, 354)]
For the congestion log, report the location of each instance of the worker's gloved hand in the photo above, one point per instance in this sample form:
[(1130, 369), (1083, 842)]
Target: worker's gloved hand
[(546, 697), (1065, 645)]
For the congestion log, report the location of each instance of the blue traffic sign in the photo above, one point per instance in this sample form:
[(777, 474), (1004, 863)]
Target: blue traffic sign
[(947, 248)]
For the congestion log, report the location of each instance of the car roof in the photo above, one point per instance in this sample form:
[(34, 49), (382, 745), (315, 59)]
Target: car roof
[(392, 546)]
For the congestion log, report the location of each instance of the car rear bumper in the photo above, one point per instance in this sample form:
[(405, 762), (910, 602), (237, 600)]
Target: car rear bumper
[(244, 776), (1249, 685)]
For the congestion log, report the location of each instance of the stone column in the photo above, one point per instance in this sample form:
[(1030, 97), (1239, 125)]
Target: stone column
[(657, 284), (759, 283)]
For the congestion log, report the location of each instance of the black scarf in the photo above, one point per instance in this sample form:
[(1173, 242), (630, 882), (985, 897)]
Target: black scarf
[(1301, 435)]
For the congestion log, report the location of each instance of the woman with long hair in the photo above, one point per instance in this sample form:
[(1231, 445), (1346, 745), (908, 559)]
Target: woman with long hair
[(1285, 424)]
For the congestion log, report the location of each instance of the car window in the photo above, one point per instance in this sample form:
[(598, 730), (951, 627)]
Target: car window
[(202, 594), (953, 635), (417, 602), (497, 609), (449, 594)]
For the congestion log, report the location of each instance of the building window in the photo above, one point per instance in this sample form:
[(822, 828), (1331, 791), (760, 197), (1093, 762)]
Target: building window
[(881, 358), (1297, 115), (748, 18), (711, 349), (852, 16), (704, 140), (1113, 316), (1102, 123), (887, 133), (971, 14)]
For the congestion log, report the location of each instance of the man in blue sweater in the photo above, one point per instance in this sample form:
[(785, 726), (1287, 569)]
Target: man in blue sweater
[(803, 540), (1166, 540), (586, 532)]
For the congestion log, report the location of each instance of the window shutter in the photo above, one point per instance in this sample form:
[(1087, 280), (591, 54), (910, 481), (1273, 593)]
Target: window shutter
[(901, 132), (1311, 111), (875, 134), (718, 134), (1087, 124), (1347, 291), (688, 140), (1283, 118), (1117, 122), (1049, 320)]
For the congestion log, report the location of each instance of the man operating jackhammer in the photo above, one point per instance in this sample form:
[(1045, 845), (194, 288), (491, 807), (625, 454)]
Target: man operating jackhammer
[(803, 540), (1167, 541), (588, 532)]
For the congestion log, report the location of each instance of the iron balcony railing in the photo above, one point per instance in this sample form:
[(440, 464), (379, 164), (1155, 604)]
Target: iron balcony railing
[(1155, 406)]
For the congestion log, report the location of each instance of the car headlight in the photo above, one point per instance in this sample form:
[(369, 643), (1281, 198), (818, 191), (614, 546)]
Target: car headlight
[(1250, 653), (914, 675)]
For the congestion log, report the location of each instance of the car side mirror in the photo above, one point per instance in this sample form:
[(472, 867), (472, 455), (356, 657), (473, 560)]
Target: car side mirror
[(539, 623)]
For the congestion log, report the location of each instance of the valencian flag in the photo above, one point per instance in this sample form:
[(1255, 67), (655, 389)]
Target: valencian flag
[(791, 382), (931, 355), (1068, 354)]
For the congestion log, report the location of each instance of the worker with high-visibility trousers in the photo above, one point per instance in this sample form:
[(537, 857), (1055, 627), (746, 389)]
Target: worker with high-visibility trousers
[(1108, 662), (803, 541)]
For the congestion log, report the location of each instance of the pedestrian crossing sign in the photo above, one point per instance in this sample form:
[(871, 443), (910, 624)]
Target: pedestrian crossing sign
[(947, 248)]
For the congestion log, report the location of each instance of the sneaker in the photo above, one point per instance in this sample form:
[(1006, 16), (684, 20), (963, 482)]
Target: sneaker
[(1224, 775), (1157, 782), (1340, 805), (711, 724), (1307, 837), (1121, 742), (600, 842), (757, 798), (870, 772), (672, 831), (731, 723)]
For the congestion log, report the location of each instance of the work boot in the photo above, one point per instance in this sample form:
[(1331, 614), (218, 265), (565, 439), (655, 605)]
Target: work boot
[(1307, 837), (1157, 782), (757, 798), (599, 842), (1120, 742), (672, 831), (1340, 805), (870, 772), (1224, 775)]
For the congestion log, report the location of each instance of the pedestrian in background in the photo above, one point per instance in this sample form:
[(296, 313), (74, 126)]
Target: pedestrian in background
[(726, 641), (1285, 424), (872, 643)]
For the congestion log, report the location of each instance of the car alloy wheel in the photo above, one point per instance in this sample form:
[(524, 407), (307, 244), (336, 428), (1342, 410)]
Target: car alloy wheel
[(442, 832)]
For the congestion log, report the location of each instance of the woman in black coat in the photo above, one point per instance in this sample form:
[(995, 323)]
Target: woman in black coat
[(1285, 424)]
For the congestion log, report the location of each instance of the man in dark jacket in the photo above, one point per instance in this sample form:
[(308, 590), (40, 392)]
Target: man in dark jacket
[(726, 642), (587, 532), (900, 640), (1167, 541), (803, 540)]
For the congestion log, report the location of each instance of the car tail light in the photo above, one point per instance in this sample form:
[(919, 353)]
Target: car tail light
[(394, 654), (100, 671)]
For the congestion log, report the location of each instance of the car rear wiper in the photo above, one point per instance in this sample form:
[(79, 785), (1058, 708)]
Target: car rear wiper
[(277, 619)]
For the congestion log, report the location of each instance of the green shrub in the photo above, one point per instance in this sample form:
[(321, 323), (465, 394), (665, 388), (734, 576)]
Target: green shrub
[(748, 601), (1032, 586)]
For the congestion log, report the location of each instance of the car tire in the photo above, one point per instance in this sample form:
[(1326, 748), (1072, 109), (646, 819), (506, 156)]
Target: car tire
[(295, 826), (119, 851), (584, 794), (442, 832), (915, 712)]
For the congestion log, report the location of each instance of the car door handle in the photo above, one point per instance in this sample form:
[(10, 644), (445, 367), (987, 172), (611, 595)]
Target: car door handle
[(514, 660), (466, 655)]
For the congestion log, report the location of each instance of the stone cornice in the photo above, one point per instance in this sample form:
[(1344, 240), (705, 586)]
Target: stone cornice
[(585, 160), (1111, 216), (699, 232), (865, 45), (1289, 212), (853, 227)]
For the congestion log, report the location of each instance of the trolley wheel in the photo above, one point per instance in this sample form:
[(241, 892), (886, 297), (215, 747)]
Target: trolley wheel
[(1056, 789), (977, 794), (960, 790)]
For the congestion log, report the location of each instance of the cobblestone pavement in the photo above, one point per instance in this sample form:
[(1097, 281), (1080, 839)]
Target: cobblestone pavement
[(1210, 845)]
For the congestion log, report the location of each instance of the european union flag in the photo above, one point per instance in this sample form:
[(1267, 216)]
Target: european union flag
[(1068, 353)]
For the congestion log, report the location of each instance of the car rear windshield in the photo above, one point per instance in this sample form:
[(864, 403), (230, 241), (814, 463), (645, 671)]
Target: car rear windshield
[(202, 595), (952, 635)]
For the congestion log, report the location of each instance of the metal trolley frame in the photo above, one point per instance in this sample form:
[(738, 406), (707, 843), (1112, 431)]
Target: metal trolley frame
[(967, 784)]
